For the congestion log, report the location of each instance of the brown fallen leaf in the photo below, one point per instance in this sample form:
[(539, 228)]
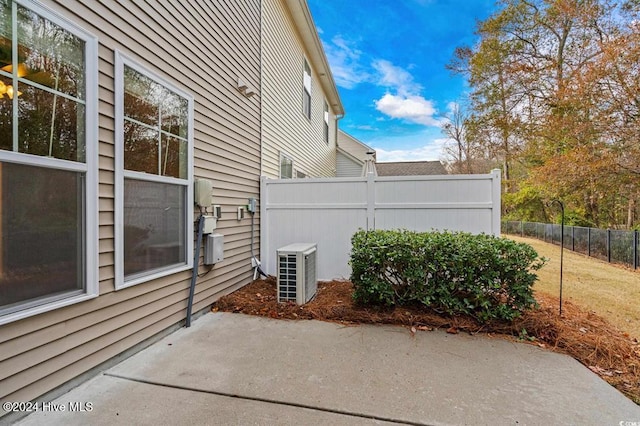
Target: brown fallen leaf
[(452, 330)]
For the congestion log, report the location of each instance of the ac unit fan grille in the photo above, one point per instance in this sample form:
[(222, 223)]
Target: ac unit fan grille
[(288, 273), (297, 274)]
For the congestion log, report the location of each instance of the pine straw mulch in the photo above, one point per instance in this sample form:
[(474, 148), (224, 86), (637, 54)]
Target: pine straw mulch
[(590, 339)]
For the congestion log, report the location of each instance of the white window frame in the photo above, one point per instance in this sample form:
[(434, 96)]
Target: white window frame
[(284, 155), (89, 168), (325, 117), (120, 174), (306, 87)]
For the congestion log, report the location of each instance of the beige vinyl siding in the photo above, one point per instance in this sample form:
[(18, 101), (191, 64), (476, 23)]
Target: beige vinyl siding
[(347, 166), (353, 146), (285, 128), (202, 48), (351, 155)]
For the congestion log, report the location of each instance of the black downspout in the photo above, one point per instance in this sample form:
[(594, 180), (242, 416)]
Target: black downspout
[(194, 276)]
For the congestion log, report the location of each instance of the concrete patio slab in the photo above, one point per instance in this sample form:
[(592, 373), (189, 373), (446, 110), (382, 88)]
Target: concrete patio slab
[(236, 369), (118, 401)]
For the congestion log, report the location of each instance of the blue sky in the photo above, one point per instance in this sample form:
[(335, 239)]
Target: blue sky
[(388, 59)]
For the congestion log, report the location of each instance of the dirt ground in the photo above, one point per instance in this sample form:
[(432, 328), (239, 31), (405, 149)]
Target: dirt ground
[(590, 339)]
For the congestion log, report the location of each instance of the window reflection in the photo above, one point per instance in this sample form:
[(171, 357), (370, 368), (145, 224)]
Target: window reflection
[(173, 157), (154, 115), (141, 97), (174, 115), (6, 118), (140, 148), (5, 33), (50, 125), (49, 55), (47, 84)]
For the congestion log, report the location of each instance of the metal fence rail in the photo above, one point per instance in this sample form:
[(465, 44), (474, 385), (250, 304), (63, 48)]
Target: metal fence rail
[(611, 245)]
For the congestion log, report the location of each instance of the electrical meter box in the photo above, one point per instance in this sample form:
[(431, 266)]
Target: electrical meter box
[(213, 249), (202, 192), (251, 205)]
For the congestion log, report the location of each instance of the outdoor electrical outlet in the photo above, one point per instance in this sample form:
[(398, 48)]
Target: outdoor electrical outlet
[(240, 213)]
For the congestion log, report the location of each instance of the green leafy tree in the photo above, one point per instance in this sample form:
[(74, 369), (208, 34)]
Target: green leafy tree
[(555, 100)]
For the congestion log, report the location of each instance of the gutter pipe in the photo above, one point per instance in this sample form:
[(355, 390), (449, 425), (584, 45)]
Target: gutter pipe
[(194, 276)]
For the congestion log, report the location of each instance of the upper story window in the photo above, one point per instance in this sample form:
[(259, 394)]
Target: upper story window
[(48, 159), (326, 122), (154, 201), (306, 90)]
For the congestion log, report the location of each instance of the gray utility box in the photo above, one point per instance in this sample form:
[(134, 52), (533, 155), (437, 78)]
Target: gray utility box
[(213, 249)]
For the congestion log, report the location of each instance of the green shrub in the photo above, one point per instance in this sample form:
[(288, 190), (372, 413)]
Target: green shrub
[(458, 273)]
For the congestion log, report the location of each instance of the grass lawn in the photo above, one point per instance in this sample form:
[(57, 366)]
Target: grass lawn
[(612, 292)]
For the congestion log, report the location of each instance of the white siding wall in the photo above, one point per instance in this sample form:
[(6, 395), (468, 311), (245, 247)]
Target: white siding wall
[(347, 167), (329, 211), (201, 47), (284, 126)]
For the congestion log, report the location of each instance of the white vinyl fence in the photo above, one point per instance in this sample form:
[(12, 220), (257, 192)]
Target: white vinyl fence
[(328, 211)]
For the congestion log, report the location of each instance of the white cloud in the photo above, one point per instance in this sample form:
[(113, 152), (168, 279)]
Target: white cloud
[(412, 108), (430, 152), (453, 107), (344, 57), (403, 99), (367, 127), (395, 77)]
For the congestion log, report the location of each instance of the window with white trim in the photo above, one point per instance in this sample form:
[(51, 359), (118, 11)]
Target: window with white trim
[(306, 90), (154, 175), (325, 117), (48, 161), (286, 166)]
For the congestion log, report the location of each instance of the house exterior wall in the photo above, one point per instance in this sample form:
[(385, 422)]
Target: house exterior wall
[(346, 166), (201, 48), (285, 129), (351, 155), (353, 146)]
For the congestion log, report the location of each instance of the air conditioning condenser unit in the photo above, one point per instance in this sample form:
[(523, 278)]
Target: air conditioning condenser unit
[(297, 276)]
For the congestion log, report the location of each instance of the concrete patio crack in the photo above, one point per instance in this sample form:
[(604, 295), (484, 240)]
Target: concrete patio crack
[(271, 401)]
